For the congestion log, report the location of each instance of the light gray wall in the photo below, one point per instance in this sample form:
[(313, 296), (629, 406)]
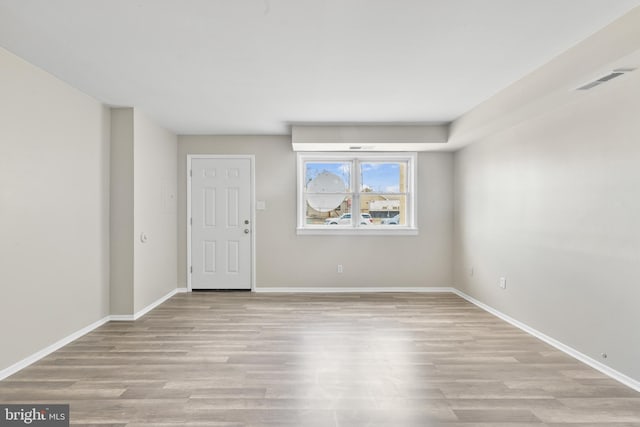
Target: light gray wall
[(553, 204), (143, 200), (121, 211), (155, 268), (54, 210), (286, 259)]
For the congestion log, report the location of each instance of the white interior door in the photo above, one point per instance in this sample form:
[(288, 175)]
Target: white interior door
[(221, 223)]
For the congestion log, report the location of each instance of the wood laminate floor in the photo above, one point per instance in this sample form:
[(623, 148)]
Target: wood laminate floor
[(348, 360)]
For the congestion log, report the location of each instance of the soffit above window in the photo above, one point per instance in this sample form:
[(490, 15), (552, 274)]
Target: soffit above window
[(387, 138)]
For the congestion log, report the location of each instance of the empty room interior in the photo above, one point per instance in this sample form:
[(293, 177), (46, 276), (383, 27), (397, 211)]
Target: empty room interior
[(320, 213)]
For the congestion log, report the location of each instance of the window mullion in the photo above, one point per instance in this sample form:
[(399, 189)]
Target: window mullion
[(355, 204)]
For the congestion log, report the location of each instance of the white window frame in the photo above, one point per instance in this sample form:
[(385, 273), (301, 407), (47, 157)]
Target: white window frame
[(411, 226)]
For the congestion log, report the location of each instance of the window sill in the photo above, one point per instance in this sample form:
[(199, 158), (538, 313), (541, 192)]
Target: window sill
[(364, 231)]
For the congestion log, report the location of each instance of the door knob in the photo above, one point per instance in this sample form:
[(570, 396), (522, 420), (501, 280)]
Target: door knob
[(246, 221), (246, 231)]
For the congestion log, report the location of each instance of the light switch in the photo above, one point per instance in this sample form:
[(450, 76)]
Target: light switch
[(261, 205)]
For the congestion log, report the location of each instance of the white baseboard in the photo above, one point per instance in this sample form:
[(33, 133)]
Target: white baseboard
[(4, 373), (51, 348), (154, 304), (618, 376), (352, 289), (122, 318), (140, 313), (610, 372)]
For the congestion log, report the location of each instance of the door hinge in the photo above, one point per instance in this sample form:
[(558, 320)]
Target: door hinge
[(191, 172), (190, 221), (191, 269)]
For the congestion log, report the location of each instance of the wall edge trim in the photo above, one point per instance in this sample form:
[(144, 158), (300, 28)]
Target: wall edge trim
[(606, 370), (29, 360), (351, 289), (21, 364), (121, 318), (154, 304)]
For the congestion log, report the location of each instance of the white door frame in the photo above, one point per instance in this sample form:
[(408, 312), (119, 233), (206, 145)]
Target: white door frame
[(252, 160)]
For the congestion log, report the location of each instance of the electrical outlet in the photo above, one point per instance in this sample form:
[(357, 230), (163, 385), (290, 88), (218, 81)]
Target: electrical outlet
[(503, 283), (339, 269)]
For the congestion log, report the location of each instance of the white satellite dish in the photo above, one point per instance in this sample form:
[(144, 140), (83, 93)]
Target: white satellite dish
[(326, 182)]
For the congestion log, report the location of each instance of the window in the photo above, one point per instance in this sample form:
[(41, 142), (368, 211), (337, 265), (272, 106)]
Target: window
[(367, 193)]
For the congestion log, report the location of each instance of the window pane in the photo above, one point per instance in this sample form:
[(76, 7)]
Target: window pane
[(326, 184), (383, 177), (385, 210), (341, 215), (327, 177)]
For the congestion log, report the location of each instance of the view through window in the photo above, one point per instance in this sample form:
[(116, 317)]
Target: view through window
[(371, 191)]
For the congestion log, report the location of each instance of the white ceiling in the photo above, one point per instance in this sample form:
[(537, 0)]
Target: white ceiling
[(255, 66)]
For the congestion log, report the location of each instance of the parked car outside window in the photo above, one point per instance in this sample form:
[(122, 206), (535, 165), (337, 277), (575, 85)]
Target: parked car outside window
[(394, 220), (345, 218)]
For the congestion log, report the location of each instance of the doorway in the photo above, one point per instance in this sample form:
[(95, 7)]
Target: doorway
[(220, 222)]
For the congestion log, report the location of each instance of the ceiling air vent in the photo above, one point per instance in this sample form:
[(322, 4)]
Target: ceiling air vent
[(612, 75)]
